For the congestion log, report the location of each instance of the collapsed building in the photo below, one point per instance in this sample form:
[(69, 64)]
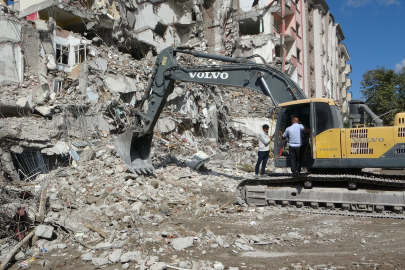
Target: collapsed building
[(82, 65), (73, 72)]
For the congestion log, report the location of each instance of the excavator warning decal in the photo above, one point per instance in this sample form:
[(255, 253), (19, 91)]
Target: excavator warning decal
[(164, 61)]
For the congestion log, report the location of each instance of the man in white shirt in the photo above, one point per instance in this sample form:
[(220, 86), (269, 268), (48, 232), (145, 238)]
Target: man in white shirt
[(293, 132), (264, 151)]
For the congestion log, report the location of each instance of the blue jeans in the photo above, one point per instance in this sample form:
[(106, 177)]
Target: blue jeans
[(263, 157)]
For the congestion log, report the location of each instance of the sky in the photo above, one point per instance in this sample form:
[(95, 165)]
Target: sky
[(374, 35)]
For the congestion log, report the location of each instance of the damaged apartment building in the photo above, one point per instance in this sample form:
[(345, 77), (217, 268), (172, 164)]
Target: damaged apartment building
[(72, 71)]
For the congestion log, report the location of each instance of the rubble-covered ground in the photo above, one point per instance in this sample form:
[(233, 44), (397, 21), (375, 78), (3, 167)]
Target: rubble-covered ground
[(63, 187), (182, 219)]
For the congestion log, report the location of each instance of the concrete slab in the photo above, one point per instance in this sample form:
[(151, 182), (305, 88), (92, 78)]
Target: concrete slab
[(10, 31)]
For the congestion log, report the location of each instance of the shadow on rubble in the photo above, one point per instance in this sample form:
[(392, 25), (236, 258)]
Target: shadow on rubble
[(172, 160)]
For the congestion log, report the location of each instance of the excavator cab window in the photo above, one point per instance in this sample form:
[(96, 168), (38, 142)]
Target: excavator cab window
[(326, 117)]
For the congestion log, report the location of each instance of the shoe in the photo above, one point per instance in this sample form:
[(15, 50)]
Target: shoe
[(256, 176)]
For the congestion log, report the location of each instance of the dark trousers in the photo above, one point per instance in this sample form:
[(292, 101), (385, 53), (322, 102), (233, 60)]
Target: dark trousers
[(263, 157), (295, 159)]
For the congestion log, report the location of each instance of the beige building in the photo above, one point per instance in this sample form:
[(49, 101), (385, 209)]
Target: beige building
[(325, 54)]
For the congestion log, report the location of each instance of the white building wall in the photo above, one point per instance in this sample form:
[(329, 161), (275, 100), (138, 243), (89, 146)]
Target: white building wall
[(72, 42), (11, 63), (317, 55), (305, 51)]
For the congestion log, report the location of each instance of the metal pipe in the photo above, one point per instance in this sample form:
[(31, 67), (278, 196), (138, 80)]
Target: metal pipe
[(268, 90), (378, 122)]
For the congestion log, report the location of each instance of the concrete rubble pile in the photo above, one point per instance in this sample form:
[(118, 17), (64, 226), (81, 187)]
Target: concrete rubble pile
[(62, 179)]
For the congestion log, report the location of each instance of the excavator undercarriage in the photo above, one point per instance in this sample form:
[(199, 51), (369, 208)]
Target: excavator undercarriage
[(366, 194)]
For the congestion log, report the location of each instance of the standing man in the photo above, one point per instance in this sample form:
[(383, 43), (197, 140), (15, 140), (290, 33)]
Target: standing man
[(264, 151), (293, 132)]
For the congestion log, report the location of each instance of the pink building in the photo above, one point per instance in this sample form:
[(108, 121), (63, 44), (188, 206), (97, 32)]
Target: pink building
[(290, 45)]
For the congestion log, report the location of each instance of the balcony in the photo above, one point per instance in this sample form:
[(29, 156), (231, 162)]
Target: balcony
[(297, 64), (349, 83), (294, 60), (343, 63), (291, 5), (311, 43), (348, 68), (312, 65), (310, 22), (291, 8), (344, 79)]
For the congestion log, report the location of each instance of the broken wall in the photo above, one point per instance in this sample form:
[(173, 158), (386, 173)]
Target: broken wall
[(66, 60), (27, 7), (11, 57), (11, 63)]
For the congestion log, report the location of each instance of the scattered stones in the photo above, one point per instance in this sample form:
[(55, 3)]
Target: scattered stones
[(182, 243), (99, 261), (115, 256), (87, 256), (130, 256), (44, 231), (158, 266)]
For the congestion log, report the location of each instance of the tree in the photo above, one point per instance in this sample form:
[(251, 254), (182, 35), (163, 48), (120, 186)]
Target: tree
[(384, 90)]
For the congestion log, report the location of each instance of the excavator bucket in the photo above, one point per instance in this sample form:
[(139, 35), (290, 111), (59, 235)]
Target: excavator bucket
[(134, 147)]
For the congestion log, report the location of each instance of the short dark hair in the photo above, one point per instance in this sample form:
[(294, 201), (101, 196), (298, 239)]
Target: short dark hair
[(265, 126)]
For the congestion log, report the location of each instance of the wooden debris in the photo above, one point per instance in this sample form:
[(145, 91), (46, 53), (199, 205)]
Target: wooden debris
[(95, 229)]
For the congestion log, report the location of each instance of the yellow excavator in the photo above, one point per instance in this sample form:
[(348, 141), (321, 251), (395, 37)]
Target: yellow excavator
[(334, 156)]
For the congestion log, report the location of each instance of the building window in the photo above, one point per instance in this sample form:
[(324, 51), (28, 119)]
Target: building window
[(276, 25), (300, 81), (278, 51), (57, 86), (298, 29), (251, 26), (62, 54), (298, 55), (80, 54)]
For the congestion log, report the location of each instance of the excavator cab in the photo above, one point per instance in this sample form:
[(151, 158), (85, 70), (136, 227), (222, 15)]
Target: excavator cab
[(318, 115)]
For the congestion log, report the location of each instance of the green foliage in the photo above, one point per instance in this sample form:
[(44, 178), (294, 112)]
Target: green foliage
[(384, 90), (346, 121)]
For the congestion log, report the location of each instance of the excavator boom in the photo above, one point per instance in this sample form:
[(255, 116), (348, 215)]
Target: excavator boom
[(134, 145)]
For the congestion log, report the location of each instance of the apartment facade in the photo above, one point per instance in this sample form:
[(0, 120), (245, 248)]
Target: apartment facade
[(300, 37), (325, 55)]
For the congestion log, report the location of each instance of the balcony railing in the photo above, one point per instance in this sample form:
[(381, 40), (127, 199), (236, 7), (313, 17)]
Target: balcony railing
[(343, 63), (349, 83), (293, 33), (348, 68), (344, 79), (310, 22), (291, 5)]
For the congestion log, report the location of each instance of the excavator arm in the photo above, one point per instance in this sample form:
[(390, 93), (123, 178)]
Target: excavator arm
[(134, 145)]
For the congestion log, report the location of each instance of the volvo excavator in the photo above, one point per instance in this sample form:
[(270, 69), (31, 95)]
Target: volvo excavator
[(334, 156)]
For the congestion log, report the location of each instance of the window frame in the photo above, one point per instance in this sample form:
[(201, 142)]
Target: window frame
[(63, 49), (278, 25), (76, 52), (299, 54)]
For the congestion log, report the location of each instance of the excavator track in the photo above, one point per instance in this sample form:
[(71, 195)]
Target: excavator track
[(363, 195)]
